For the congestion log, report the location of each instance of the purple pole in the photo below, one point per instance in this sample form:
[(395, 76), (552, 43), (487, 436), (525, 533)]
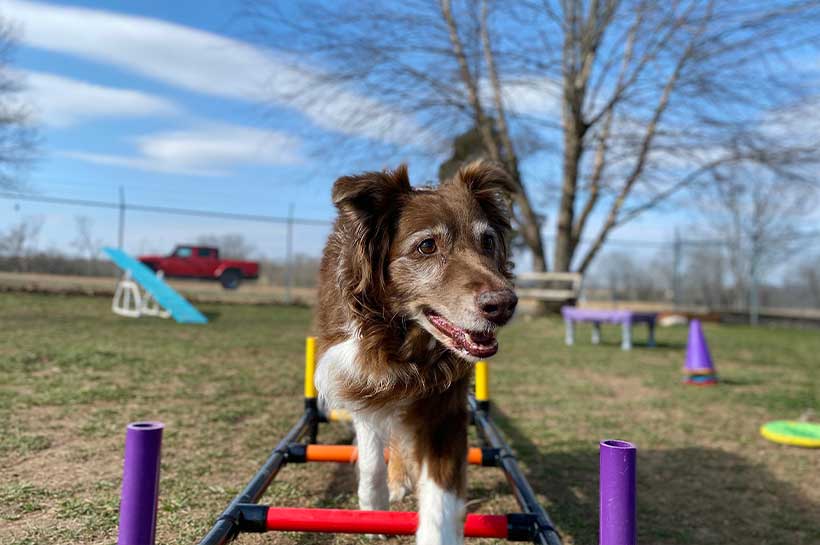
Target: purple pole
[(140, 483), (617, 523)]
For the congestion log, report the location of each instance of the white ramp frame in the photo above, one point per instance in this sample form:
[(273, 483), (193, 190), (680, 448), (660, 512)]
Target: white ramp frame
[(131, 302)]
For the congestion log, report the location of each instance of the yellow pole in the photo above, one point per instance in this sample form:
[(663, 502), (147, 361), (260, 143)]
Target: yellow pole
[(482, 381), (310, 367)]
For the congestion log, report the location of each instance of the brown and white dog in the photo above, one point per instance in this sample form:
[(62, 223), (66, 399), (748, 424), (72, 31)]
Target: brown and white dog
[(413, 285)]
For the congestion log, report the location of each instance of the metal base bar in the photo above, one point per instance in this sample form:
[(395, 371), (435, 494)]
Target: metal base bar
[(227, 525), (546, 533)]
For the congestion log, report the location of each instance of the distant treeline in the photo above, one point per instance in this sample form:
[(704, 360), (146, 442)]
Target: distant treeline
[(304, 270)]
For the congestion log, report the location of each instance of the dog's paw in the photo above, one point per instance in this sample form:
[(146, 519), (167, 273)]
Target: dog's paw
[(399, 490)]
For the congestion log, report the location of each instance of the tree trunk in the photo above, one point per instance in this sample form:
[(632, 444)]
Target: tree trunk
[(566, 212)]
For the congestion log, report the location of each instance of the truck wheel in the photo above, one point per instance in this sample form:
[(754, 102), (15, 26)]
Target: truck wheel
[(230, 279)]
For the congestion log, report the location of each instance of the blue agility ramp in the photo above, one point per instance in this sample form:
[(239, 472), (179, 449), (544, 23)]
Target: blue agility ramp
[(132, 304)]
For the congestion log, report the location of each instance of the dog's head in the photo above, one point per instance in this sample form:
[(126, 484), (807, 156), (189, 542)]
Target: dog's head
[(434, 256)]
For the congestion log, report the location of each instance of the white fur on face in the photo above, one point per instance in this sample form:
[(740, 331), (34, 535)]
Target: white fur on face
[(480, 227), (441, 514)]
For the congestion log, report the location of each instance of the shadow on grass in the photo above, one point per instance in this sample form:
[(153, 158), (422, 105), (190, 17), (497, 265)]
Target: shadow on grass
[(739, 381), (665, 345), (659, 345), (342, 483), (691, 495), (212, 315)]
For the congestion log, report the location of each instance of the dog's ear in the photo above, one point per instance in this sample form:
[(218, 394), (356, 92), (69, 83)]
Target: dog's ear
[(492, 187), (365, 194), (369, 203)]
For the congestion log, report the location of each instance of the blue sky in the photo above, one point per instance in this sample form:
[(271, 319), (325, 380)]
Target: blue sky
[(166, 100)]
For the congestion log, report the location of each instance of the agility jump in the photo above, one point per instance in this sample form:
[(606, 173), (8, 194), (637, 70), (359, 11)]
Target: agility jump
[(245, 515)]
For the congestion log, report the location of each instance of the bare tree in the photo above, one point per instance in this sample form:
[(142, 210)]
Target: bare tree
[(20, 241), (17, 133), (809, 276), (759, 218), (231, 245), (706, 275), (634, 99), (85, 243)]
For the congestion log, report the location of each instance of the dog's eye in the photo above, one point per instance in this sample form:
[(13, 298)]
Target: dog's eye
[(427, 246), (487, 243)]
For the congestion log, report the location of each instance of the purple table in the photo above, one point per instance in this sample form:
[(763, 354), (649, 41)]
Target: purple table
[(597, 316)]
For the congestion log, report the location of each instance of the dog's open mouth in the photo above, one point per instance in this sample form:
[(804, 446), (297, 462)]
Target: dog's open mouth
[(481, 344)]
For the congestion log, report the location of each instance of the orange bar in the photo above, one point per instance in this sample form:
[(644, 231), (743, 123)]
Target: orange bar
[(331, 453), (474, 456), (348, 454)]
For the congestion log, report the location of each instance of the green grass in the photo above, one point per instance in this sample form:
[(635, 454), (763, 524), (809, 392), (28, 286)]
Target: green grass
[(73, 375)]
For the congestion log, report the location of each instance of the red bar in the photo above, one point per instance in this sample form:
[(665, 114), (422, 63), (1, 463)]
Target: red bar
[(345, 521)]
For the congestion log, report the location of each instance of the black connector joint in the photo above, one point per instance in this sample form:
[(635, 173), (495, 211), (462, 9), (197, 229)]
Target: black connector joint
[(490, 457), (252, 517), (297, 453), (522, 527)]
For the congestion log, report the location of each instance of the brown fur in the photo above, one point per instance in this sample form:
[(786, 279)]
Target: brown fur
[(371, 281)]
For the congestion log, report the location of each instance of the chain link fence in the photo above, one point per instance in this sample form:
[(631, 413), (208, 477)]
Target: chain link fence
[(680, 272)]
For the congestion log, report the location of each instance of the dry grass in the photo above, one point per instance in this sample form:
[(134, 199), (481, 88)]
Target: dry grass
[(74, 374)]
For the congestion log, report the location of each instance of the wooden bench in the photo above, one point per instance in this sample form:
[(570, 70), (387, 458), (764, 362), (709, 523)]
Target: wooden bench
[(555, 288)]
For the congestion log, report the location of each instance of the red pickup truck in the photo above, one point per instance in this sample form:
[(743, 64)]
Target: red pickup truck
[(202, 262)]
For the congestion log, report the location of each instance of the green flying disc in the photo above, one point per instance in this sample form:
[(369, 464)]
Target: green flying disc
[(791, 432)]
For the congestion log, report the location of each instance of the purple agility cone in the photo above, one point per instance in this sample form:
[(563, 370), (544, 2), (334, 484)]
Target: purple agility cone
[(699, 369), (698, 359), (140, 483), (618, 507)]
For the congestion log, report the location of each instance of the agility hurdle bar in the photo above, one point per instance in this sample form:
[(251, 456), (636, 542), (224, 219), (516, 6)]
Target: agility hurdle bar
[(299, 453), (262, 518), (243, 514)]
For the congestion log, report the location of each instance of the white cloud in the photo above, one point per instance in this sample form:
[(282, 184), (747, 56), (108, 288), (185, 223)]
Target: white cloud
[(535, 96), (207, 151), (61, 102), (205, 63)]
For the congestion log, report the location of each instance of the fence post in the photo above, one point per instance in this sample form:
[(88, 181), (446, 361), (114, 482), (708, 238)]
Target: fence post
[(678, 247), (289, 257), (121, 232), (754, 300)]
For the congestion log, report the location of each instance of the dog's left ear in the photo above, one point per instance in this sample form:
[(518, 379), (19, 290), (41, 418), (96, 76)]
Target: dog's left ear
[(492, 187), (367, 202)]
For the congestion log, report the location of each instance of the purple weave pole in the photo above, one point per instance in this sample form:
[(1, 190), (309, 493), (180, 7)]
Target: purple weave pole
[(140, 483), (617, 523)]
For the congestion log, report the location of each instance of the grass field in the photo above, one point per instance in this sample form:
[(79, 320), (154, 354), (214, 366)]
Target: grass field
[(72, 375)]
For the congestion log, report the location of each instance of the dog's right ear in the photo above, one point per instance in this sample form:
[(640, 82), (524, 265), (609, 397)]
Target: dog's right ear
[(367, 202), (368, 193)]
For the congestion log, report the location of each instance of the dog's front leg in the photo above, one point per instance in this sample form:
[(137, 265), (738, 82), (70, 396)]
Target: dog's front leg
[(371, 437), (441, 451)]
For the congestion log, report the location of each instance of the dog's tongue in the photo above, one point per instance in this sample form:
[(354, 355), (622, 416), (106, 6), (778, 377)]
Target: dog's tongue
[(480, 344)]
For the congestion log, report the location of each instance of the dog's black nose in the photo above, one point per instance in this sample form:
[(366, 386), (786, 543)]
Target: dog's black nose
[(497, 306)]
